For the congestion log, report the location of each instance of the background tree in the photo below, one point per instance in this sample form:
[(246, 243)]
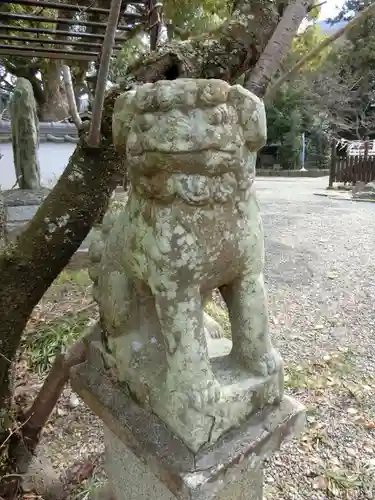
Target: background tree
[(190, 18), (182, 18), (336, 87), (356, 58), (296, 108)]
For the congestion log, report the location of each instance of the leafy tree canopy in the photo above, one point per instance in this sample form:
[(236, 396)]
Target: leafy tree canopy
[(356, 58), (296, 107)]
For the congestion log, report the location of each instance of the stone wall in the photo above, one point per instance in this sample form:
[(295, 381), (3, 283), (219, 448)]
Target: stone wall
[(48, 132), (292, 173)]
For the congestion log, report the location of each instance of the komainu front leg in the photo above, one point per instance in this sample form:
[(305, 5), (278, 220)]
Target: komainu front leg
[(247, 305), (189, 373)]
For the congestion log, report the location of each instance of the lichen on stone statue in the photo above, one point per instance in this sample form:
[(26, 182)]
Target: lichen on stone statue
[(25, 135), (191, 225)]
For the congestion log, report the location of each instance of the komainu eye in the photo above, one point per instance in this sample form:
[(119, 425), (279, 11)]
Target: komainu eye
[(145, 121)]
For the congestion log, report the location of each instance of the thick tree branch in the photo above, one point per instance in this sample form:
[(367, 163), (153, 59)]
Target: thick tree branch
[(29, 265), (324, 44), (316, 6), (278, 45), (24, 443)]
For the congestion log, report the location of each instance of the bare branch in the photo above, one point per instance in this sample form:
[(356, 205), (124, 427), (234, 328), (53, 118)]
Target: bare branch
[(317, 6), (71, 97)]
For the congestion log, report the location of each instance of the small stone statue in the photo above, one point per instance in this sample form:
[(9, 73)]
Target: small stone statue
[(25, 135), (191, 224)]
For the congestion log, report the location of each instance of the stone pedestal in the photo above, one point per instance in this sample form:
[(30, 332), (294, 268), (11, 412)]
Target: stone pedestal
[(131, 479), (18, 207), (145, 460)]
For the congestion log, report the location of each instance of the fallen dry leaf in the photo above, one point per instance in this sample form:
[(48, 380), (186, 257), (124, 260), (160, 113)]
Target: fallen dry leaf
[(320, 483)]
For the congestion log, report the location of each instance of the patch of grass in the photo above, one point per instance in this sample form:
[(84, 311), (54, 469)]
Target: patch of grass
[(49, 339), (72, 282), (220, 315), (343, 483), (87, 489), (79, 277)]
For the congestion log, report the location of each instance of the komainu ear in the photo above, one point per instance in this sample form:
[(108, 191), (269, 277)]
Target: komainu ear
[(122, 117), (251, 115)]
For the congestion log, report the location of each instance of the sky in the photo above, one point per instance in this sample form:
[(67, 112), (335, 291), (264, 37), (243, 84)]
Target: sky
[(330, 8)]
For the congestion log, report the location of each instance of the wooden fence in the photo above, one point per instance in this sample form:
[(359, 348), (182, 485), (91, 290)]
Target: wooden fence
[(351, 169)]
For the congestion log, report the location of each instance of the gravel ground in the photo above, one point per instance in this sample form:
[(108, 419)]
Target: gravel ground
[(319, 273), (320, 278)]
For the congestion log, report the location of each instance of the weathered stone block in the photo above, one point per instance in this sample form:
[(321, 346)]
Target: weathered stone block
[(131, 479), (144, 459), (21, 213), (364, 191), (20, 206)]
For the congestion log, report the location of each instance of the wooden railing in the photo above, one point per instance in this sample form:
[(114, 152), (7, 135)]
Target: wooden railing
[(352, 168)]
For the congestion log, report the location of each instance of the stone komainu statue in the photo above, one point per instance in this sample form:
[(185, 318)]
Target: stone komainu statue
[(25, 135), (191, 224)]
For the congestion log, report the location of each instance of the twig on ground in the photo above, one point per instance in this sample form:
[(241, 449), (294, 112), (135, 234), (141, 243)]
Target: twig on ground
[(14, 431)]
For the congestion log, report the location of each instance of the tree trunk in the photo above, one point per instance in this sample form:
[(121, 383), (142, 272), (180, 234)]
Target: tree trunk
[(55, 106), (278, 45), (30, 265)]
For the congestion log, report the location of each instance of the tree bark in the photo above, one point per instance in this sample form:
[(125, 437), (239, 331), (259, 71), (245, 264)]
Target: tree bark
[(278, 45), (30, 74), (29, 266), (55, 106)]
